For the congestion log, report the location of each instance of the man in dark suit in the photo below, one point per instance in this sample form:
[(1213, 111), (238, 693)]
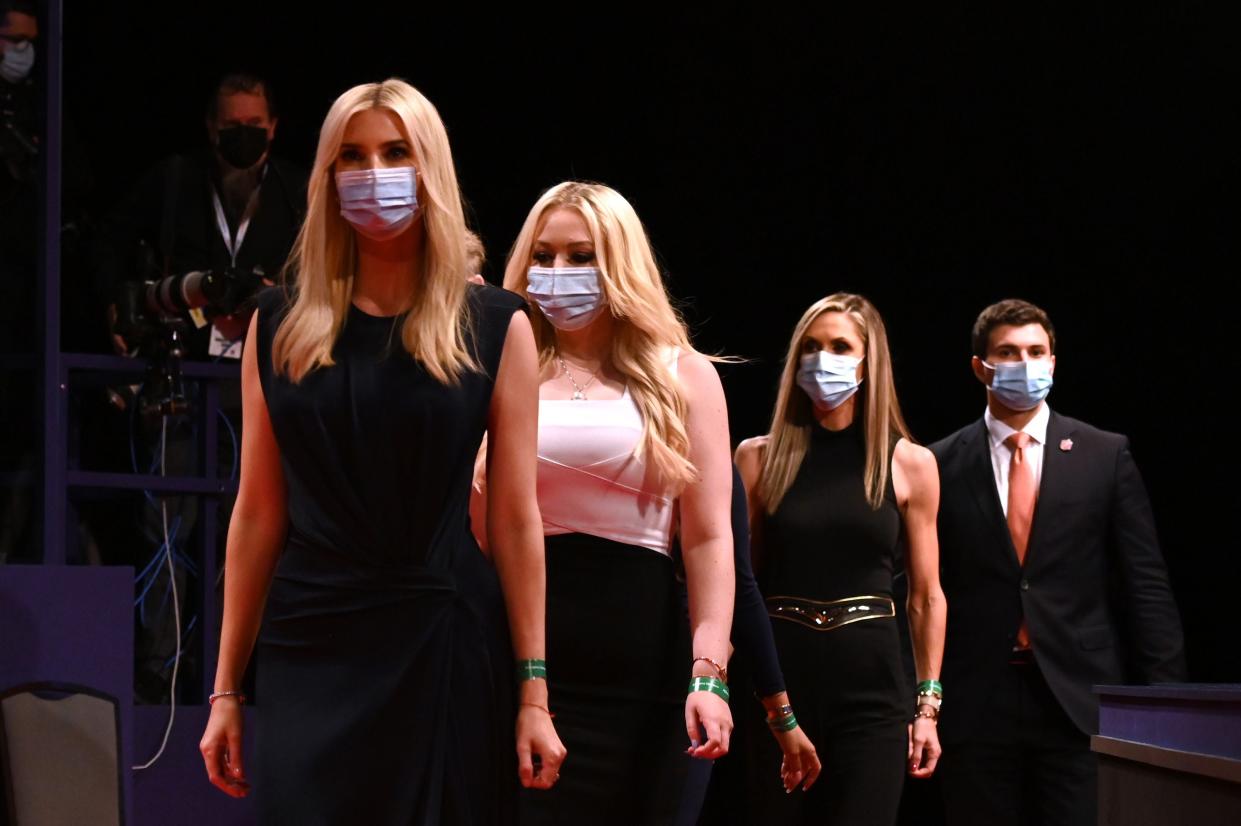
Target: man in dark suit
[(1055, 583)]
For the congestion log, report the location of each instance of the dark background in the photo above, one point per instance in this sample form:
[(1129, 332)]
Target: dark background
[(1085, 160)]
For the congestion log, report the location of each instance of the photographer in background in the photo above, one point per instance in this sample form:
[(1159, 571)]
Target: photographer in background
[(231, 211), (181, 259)]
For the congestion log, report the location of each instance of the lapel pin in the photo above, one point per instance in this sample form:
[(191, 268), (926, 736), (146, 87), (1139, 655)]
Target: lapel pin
[(1066, 445)]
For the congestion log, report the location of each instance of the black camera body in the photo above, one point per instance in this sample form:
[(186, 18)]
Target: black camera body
[(151, 316), (144, 308)]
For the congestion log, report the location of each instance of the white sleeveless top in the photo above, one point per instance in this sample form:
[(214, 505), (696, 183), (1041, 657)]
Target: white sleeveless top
[(589, 480)]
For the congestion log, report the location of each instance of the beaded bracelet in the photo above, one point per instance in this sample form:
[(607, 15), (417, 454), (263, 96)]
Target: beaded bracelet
[(241, 698), (711, 684), (930, 715), (531, 670)]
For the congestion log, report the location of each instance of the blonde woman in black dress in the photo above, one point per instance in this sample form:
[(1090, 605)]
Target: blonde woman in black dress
[(385, 674)]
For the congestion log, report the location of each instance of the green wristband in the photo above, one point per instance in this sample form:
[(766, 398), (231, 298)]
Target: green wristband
[(783, 723), (931, 687), (531, 670), (711, 684)]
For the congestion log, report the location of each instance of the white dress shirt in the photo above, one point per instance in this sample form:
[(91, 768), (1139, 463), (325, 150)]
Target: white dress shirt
[(1002, 454)]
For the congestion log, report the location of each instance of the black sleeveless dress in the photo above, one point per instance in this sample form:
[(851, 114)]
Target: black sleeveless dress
[(848, 684), (385, 677)]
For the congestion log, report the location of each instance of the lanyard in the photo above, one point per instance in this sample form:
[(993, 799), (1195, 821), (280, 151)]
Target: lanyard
[(233, 245)]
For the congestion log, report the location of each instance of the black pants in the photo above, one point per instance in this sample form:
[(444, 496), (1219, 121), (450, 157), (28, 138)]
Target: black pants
[(852, 699), (1027, 763), (860, 784)]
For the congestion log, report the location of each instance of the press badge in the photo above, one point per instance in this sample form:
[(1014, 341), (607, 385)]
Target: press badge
[(222, 347)]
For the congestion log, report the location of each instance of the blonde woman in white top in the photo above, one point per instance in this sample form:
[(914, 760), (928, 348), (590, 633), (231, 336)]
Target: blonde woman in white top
[(633, 446)]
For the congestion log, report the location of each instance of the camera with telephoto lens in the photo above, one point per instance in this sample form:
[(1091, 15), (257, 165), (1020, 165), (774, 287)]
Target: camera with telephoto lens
[(151, 316), (219, 293), (146, 308), (142, 304)]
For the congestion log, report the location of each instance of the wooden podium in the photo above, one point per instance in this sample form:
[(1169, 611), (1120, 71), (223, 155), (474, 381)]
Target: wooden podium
[(1169, 754)]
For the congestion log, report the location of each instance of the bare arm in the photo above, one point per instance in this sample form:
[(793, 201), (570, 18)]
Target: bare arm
[(915, 478), (749, 460), (255, 538), (707, 548), (515, 536), (478, 499), (257, 528)]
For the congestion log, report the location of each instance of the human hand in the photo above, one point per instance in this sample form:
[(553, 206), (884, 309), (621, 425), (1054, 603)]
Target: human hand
[(924, 748), (232, 327), (221, 748), (536, 737), (801, 761), (709, 713)]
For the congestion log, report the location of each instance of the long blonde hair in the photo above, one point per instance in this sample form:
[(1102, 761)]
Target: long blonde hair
[(647, 326), (794, 414), (324, 256)]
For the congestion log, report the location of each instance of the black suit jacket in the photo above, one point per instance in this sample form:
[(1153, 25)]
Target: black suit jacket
[(1093, 590)]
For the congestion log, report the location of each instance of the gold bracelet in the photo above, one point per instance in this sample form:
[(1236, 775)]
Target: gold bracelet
[(543, 709)]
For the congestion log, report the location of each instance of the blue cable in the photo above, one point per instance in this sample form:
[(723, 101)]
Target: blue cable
[(133, 449), (151, 572), (185, 633), (158, 556)]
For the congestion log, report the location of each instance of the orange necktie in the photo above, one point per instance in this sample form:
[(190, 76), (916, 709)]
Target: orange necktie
[(1022, 494)]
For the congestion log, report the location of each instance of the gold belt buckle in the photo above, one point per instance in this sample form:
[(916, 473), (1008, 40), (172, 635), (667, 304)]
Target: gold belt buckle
[(828, 616)]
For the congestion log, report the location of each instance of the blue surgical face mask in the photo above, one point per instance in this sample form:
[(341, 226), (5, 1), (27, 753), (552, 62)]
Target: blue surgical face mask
[(828, 379), (569, 297), (17, 62), (1021, 385), (380, 203)]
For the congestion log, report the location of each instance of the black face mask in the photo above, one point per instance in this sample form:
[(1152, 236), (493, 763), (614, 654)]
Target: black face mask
[(242, 146)]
